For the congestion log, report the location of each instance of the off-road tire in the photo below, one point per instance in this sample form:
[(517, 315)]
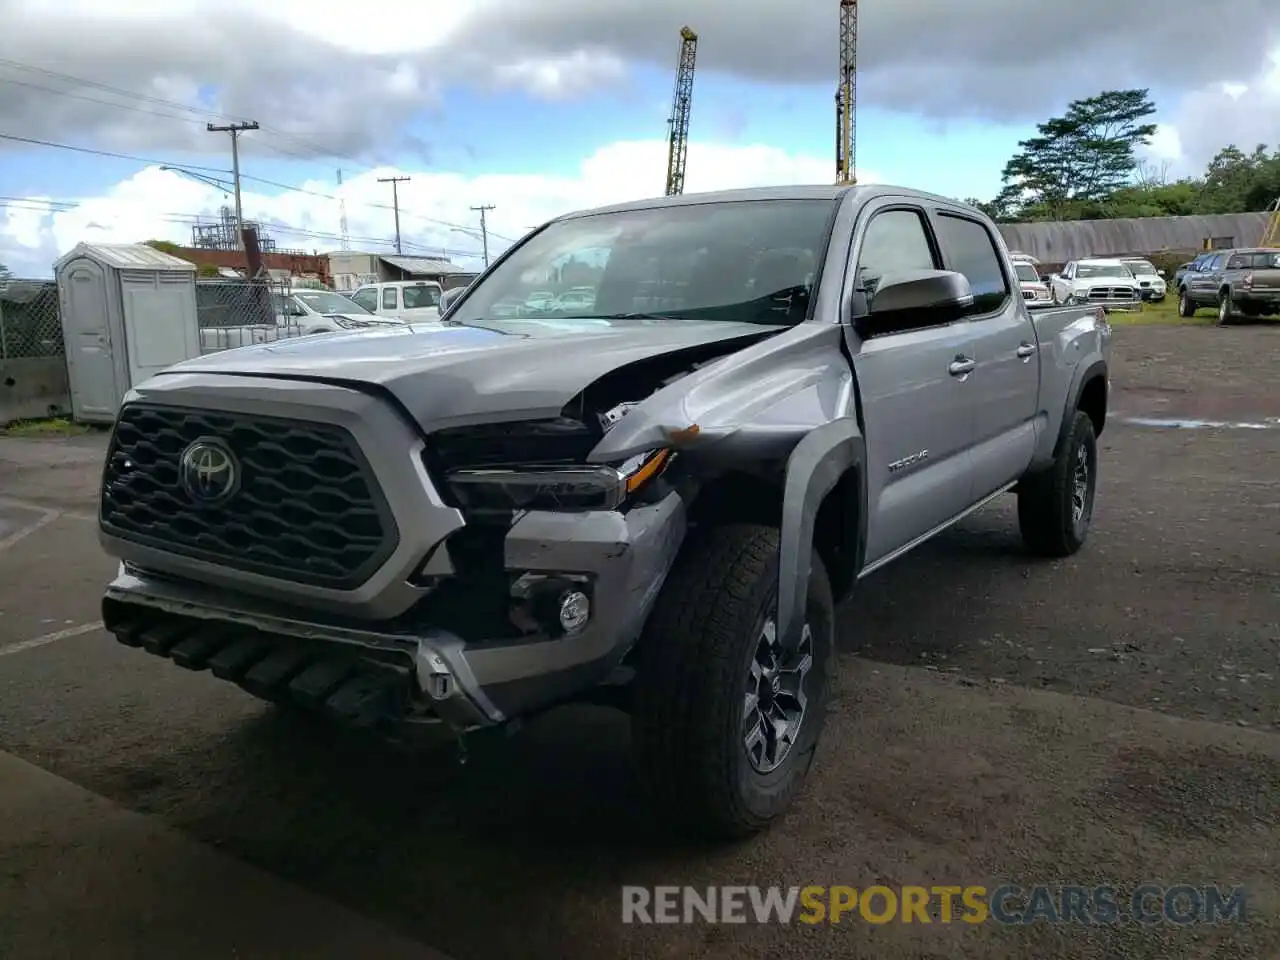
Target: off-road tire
[(692, 668), (1045, 505), (1186, 306), (1226, 310)]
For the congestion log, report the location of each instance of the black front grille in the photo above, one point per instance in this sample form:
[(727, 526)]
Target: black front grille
[(307, 510), (520, 443)]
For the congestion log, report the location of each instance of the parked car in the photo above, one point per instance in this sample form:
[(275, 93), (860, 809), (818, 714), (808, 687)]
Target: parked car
[(1034, 290), (1104, 282), (299, 313), (409, 300), (575, 300), (1180, 274), (1241, 282), (653, 511), (1151, 285)]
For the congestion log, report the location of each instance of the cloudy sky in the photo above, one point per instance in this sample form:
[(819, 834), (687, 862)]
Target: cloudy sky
[(540, 106)]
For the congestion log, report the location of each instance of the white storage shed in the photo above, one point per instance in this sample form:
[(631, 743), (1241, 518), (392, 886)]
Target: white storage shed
[(127, 312)]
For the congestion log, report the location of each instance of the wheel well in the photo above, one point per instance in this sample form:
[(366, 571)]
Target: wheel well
[(1093, 402), (748, 498)]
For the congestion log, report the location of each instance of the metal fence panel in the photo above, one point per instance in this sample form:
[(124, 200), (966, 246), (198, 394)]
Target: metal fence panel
[(29, 321), (238, 313)]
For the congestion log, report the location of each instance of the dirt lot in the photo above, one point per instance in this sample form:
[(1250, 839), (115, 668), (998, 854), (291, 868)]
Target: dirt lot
[(1113, 718)]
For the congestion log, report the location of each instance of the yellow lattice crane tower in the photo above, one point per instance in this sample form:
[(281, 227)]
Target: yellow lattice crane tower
[(1271, 235), (678, 136), (847, 95)]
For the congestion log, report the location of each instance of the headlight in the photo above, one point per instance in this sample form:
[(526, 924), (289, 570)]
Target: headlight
[(565, 488)]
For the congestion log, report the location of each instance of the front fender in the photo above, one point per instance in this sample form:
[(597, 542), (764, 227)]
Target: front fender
[(814, 467)]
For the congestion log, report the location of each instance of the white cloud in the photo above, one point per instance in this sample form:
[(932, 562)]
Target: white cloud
[(160, 204), (1244, 112)]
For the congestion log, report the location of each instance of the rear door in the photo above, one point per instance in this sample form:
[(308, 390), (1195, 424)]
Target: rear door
[(915, 391), (1005, 385)]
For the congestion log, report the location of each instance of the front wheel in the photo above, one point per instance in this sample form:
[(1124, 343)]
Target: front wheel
[(1055, 507), (726, 720), (1186, 306)]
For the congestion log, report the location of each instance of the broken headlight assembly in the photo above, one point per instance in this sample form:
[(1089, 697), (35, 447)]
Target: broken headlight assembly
[(556, 487)]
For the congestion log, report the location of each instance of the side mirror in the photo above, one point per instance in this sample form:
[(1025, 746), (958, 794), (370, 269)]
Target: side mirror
[(1160, 272), (448, 297), (916, 299)]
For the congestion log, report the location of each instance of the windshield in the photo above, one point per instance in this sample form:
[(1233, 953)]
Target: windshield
[(751, 261), (1141, 268), (1090, 270), (417, 297), (323, 301), (1026, 273)]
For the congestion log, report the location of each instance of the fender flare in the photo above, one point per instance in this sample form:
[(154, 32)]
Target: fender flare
[(1084, 375), (814, 467)]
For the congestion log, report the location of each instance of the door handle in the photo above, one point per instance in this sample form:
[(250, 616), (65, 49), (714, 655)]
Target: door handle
[(1026, 350), (961, 366)]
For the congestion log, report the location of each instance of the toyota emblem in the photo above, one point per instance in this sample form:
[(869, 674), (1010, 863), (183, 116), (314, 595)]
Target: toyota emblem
[(209, 472)]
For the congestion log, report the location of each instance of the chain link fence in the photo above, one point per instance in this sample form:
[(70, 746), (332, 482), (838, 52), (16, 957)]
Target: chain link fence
[(29, 323), (237, 313)]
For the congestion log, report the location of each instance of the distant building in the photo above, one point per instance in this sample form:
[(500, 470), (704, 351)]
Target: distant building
[(280, 265), (350, 269), (1054, 243)]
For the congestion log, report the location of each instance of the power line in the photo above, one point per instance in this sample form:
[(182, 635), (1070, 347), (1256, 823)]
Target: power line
[(293, 188), (198, 113), (48, 206)]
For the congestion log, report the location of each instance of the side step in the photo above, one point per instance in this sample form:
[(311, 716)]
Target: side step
[(354, 689)]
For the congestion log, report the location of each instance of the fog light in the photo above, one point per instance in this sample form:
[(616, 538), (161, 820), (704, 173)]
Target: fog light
[(575, 611)]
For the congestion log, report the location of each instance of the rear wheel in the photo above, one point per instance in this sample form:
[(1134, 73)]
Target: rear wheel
[(1226, 309), (1055, 507), (726, 720)]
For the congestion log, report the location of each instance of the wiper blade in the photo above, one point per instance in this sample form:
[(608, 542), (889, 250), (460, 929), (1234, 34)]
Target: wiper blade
[(628, 316)]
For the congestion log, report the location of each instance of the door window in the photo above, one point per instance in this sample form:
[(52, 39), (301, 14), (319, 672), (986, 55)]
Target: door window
[(968, 248), (389, 298), (895, 241), (367, 298)]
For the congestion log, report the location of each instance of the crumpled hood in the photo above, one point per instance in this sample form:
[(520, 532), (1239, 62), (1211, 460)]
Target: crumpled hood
[(449, 376)]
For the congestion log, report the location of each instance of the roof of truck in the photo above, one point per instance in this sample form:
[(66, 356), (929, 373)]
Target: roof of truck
[(791, 192)]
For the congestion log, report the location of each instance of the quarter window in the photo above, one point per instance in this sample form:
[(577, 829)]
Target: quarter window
[(389, 298), (967, 248)]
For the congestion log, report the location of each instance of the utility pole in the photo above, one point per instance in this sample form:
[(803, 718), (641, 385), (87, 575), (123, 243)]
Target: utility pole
[(342, 214), (235, 129), (395, 202), (484, 229)]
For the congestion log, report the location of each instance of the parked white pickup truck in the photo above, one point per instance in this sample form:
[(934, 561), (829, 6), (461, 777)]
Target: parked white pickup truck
[(410, 300), (1103, 282)]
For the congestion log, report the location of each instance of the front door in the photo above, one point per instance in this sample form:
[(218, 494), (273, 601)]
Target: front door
[(1006, 383), (86, 331), (916, 397)]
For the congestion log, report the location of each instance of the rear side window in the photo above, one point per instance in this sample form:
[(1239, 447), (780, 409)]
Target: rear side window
[(416, 297), (389, 298), (967, 247)]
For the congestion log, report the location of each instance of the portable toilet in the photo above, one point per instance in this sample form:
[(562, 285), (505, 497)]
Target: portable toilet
[(127, 311)]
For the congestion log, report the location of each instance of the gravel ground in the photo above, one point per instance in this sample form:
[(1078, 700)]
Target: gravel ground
[(984, 730)]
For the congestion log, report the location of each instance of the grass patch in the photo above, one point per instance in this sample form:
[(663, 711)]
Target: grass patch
[(1164, 312), (55, 427)]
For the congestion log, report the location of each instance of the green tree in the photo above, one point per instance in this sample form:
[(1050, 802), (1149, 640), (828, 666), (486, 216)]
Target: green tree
[(1081, 157), (1239, 182)]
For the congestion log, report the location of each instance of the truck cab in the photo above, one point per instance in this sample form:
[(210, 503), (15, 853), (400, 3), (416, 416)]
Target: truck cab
[(409, 300)]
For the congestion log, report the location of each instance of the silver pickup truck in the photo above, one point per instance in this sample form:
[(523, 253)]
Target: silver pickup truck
[(655, 506)]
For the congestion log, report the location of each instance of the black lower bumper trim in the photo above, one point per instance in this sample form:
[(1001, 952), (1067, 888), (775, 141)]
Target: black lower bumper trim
[(367, 691)]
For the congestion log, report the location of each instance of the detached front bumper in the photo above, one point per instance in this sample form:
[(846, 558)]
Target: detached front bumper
[(406, 670)]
